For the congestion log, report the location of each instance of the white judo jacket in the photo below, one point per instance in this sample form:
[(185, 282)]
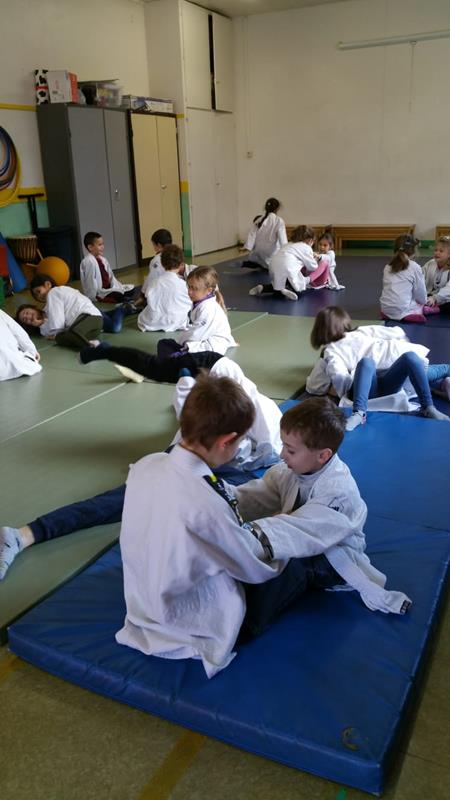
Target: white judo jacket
[(263, 242), (287, 263), (91, 279), (403, 292), (382, 344), (17, 352), (437, 281), (185, 556), (209, 329), (168, 304), (63, 306), (262, 445)]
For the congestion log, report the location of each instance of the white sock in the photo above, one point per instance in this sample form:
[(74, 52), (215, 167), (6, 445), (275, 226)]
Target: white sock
[(357, 418), (256, 289), (129, 374), (432, 413), (10, 545), (288, 294)]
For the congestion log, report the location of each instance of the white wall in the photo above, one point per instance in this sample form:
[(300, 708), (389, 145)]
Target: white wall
[(356, 136), (96, 39)]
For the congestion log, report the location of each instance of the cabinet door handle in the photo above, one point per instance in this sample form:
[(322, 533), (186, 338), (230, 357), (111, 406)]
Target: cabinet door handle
[(117, 194), (164, 186)]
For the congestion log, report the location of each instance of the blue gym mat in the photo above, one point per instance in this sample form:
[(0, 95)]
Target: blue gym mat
[(329, 687)]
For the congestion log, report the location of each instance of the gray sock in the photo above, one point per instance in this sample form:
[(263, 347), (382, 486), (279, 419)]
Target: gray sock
[(432, 413), (10, 545)]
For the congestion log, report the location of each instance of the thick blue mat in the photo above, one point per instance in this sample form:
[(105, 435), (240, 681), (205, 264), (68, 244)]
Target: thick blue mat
[(328, 688)]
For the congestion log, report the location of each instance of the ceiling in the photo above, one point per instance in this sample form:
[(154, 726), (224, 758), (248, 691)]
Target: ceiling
[(242, 8)]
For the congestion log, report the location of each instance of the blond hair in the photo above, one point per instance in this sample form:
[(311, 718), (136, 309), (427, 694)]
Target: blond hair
[(207, 278)]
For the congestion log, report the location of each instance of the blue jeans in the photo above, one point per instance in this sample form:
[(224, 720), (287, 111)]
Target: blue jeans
[(370, 382), (99, 510), (266, 601), (113, 320)]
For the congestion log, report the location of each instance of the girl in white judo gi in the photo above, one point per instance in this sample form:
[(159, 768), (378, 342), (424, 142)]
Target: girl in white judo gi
[(192, 565), (295, 267), (18, 355), (369, 362), (404, 294), (437, 276), (208, 328), (266, 236)]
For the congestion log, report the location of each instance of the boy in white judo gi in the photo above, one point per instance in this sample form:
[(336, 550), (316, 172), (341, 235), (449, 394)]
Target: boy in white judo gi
[(196, 576)]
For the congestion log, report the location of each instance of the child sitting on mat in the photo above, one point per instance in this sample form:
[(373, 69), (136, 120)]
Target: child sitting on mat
[(97, 278), (437, 276), (18, 355), (197, 578), (261, 447), (325, 248), (295, 267), (267, 235), (404, 294), (167, 299), (208, 327), (370, 362), (69, 317)]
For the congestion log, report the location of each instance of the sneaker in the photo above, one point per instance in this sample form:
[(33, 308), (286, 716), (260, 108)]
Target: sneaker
[(256, 290), (288, 294), (356, 419), (129, 374)]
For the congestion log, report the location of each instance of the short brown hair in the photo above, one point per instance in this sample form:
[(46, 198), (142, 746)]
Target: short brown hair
[(302, 233), (319, 421), (172, 257), (215, 407), (330, 325)]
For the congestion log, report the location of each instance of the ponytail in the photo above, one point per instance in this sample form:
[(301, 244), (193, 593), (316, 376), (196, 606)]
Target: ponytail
[(399, 262), (208, 279), (271, 207)]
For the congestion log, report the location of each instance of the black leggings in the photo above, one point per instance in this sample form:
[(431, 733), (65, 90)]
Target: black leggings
[(159, 369)]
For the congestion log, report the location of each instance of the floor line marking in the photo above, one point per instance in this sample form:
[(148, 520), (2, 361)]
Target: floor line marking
[(250, 321), (174, 766), (7, 666), (61, 413)]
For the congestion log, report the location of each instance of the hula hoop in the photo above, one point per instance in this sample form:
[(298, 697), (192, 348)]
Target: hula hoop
[(9, 169)]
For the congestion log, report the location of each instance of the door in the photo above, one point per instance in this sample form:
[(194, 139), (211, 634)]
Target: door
[(226, 180), (91, 178), (196, 56), (147, 177), (202, 182), (222, 28), (119, 168), (169, 177)]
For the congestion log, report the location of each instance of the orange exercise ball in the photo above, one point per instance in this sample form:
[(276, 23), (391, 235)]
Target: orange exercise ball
[(56, 268)]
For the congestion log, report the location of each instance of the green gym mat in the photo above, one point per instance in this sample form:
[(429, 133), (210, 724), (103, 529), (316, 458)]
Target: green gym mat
[(76, 455)]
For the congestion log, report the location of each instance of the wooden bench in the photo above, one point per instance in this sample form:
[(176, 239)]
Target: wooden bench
[(369, 233), (441, 230)]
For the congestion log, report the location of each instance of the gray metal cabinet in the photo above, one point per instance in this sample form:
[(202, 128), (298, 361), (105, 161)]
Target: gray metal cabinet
[(87, 173)]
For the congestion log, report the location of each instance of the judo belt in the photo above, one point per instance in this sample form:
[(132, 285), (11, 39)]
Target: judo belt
[(218, 485)]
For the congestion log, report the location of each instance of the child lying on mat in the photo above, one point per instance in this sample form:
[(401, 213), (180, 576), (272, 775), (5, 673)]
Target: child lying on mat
[(373, 361), (70, 318), (18, 355), (260, 447), (198, 578)]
